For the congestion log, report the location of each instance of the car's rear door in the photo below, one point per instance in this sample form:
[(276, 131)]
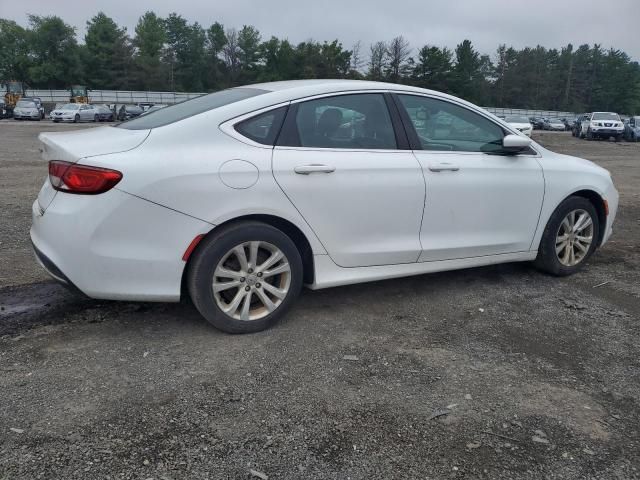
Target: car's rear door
[(345, 164), (478, 202)]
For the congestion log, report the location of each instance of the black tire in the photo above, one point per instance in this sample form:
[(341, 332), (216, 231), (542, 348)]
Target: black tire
[(589, 135), (96, 118), (211, 251), (547, 259), (76, 119)]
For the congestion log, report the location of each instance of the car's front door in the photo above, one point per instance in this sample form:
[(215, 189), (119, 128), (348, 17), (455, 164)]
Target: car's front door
[(84, 112), (478, 202), (342, 164)]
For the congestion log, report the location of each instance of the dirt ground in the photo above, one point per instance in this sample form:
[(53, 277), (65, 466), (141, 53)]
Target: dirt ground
[(497, 372)]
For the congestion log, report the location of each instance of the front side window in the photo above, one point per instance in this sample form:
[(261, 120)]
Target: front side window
[(442, 125), (359, 121), (262, 128)]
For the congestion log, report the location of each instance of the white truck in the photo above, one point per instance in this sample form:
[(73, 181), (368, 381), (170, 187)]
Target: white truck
[(602, 125)]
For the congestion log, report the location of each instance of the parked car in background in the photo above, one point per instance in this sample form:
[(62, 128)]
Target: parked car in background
[(319, 182), (576, 127), (604, 125), (153, 108), (567, 124), (520, 123), (584, 125), (632, 129), (75, 112), (553, 124), (27, 109), (537, 123), (105, 114), (3, 109), (128, 112)]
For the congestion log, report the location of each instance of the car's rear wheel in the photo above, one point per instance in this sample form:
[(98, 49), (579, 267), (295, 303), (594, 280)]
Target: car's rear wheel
[(245, 277), (570, 237), (76, 119), (95, 118)]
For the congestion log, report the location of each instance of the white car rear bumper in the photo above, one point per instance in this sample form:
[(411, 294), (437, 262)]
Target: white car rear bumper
[(114, 245)]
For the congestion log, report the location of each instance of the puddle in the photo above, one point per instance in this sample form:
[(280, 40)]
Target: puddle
[(25, 306)]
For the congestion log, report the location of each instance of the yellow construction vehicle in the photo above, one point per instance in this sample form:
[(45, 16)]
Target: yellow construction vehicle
[(14, 91), (79, 94)]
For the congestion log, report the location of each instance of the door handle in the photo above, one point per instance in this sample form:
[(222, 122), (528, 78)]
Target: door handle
[(313, 168), (444, 167)]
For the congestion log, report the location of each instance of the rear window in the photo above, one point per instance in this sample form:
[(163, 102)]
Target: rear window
[(187, 109)]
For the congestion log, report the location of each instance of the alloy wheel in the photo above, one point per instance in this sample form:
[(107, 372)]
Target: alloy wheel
[(251, 280), (574, 237)]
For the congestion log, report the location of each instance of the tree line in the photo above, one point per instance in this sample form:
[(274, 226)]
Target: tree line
[(176, 55)]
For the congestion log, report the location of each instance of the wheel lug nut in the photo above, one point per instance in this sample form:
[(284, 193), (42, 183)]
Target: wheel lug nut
[(251, 270), (242, 279), (258, 285), (259, 274), (247, 288)]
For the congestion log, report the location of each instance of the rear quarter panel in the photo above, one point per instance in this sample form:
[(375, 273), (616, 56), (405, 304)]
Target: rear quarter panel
[(178, 166)]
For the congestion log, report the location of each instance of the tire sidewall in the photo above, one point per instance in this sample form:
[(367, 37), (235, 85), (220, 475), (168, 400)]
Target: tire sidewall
[(547, 258), (206, 258)]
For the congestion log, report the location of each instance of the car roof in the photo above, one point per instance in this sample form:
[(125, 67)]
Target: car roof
[(318, 86), (291, 90)]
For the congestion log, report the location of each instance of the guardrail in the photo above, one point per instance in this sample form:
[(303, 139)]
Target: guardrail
[(505, 112), (131, 96), (115, 96)]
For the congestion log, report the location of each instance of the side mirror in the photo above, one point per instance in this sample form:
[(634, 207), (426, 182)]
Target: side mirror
[(514, 144)]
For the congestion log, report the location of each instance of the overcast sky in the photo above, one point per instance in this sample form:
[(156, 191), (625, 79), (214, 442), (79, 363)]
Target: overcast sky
[(487, 23)]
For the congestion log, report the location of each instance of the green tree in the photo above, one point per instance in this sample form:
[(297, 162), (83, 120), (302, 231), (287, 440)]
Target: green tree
[(55, 53), (468, 76), (149, 44), (108, 54), (248, 53), (433, 68), (216, 40), (14, 54), (185, 54)]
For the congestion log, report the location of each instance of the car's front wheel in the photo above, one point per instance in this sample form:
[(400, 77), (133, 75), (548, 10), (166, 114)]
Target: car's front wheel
[(244, 277), (570, 237)]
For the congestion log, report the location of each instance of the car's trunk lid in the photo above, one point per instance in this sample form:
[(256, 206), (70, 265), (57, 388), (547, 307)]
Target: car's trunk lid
[(76, 145)]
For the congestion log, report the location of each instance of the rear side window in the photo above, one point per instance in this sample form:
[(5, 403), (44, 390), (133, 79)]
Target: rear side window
[(189, 108), (263, 128), (358, 121)]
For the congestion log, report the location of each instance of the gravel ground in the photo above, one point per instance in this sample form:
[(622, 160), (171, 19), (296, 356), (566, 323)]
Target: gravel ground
[(497, 372)]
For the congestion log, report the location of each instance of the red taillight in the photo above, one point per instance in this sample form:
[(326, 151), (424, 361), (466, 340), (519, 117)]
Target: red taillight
[(73, 178)]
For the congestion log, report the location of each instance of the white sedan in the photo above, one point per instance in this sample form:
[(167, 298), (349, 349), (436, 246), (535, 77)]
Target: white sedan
[(75, 112), (520, 123), (239, 198)]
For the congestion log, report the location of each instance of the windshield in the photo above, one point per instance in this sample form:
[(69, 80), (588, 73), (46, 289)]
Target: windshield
[(25, 104), (516, 119), (186, 109), (605, 116), (70, 106)]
